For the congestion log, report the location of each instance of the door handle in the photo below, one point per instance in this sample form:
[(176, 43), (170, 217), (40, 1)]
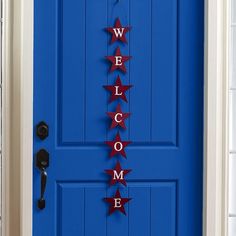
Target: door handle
[(42, 163), (41, 201)]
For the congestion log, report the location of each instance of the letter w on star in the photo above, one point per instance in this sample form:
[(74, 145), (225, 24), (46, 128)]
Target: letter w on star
[(118, 32)]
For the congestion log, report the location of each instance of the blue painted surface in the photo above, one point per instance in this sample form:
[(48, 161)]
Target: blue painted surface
[(166, 125)]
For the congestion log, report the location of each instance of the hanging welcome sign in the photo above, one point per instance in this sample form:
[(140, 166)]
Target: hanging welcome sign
[(118, 117)]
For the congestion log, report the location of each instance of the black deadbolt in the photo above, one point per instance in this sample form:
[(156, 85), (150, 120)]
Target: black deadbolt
[(42, 130)]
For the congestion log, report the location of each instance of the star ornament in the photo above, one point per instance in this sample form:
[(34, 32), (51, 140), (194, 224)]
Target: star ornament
[(118, 90), (118, 32), (118, 61), (117, 203), (118, 175), (117, 146), (118, 118)]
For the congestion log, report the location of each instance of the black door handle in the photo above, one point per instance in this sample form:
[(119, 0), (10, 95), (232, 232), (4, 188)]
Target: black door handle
[(41, 201), (42, 164)]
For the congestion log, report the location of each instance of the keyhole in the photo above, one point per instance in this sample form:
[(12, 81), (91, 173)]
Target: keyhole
[(44, 163)]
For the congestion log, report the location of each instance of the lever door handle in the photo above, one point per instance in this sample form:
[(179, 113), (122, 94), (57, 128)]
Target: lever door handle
[(41, 201), (42, 164)]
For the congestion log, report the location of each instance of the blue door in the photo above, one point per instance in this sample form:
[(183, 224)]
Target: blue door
[(161, 192)]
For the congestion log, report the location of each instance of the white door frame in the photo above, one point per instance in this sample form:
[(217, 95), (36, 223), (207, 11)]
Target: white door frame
[(216, 118), (18, 114)]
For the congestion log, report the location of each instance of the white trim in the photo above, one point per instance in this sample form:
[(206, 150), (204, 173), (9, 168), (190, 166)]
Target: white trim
[(216, 118), (18, 69), (17, 117), (6, 52), (27, 117)]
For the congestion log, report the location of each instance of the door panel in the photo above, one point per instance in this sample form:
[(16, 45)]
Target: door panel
[(165, 126), (81, 70), (76, 201)]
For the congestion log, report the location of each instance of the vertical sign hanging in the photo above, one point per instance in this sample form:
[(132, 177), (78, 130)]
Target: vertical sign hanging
[(118, 117)]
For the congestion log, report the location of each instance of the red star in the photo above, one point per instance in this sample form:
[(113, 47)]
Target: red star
[(117, 203), (118, 61), (117, 175), (118, 90), (118, 146), (118, 32), (118, 117)]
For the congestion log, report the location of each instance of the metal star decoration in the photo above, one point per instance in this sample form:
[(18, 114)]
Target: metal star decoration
[(118, 32), (117, 203), (118, 90), (118, 117), (118, 61), (118, 146), (117, 175)]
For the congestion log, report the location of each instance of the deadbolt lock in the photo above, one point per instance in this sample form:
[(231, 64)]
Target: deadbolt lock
[(42, 130)]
